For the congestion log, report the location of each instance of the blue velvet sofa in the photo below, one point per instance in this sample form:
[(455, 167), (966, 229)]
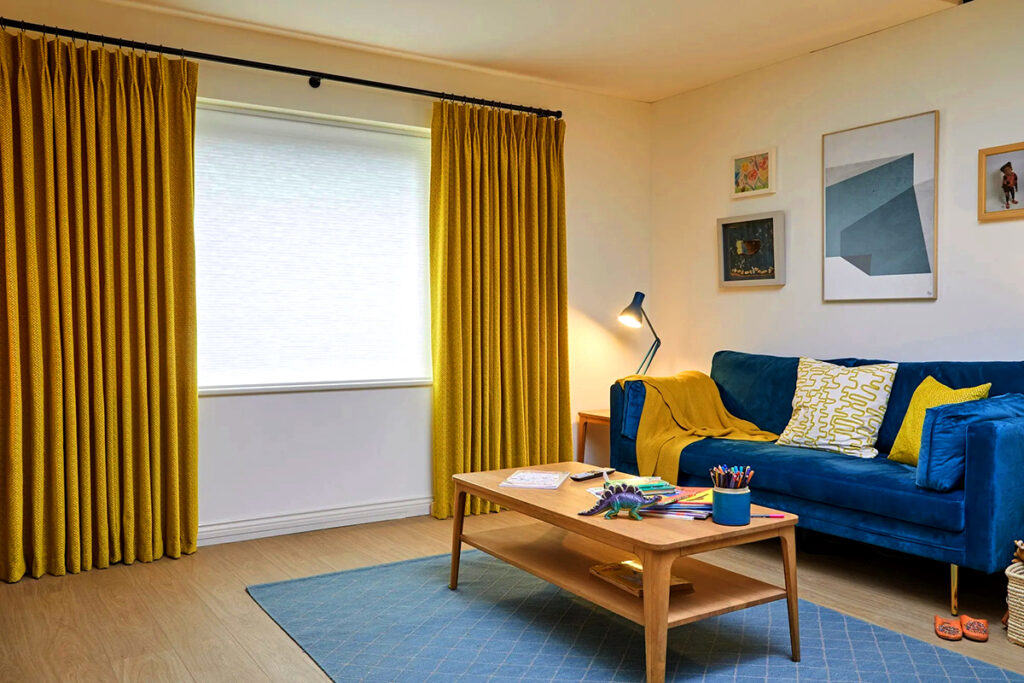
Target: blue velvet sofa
[(875, 500)]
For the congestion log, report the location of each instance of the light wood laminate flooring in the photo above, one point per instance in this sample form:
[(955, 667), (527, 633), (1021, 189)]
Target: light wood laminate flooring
[(191, 619)]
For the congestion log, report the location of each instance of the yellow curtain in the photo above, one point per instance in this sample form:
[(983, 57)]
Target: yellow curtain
[(498, 294), (98, 351)]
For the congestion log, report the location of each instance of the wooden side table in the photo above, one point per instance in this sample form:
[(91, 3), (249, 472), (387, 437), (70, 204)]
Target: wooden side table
[(586, 417)]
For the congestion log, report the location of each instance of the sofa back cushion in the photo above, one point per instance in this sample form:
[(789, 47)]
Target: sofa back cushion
[(756, 387), (1007, 377), (760, 388)]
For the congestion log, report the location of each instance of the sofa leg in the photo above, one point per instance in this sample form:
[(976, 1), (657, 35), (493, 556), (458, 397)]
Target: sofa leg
[(954, 580)]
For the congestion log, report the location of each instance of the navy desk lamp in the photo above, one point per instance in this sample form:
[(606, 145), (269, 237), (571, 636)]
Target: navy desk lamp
[(633, 315)]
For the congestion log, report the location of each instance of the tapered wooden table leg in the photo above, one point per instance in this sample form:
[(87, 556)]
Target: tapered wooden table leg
[(788, 538), (581, 438), (657, 570), (458, 517)]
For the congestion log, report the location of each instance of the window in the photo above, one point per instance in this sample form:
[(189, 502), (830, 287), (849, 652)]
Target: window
[(311, 250)]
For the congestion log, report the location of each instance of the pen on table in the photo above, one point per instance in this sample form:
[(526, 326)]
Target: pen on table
[(772, 516)]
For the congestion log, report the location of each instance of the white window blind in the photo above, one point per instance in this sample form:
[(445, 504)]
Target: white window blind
[(311, 251)]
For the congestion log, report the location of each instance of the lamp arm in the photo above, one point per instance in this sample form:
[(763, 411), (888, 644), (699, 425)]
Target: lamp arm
[(649, 356), (645, 364), (642, 311)]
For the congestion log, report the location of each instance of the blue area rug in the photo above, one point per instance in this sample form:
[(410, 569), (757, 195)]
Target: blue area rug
[(399, 622)]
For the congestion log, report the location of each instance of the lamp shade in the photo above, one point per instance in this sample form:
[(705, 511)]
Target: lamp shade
[(632, 315)]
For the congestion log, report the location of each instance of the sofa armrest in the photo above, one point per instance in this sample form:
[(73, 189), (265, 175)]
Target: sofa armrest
[(994, 492), (623, 444)]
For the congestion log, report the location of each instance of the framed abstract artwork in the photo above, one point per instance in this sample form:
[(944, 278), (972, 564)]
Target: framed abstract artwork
[(998, 185), (753, 174), (752, 250), (879, 209)]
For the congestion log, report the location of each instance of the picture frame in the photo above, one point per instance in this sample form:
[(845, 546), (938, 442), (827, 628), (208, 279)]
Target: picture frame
[(754, 174), (997, 202), (880, 209), (752, 250)]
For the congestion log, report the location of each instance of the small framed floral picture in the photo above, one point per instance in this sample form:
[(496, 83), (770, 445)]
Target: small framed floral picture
[(753, 174)]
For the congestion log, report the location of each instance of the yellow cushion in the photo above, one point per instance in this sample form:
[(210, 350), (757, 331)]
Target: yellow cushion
[(929, 393)]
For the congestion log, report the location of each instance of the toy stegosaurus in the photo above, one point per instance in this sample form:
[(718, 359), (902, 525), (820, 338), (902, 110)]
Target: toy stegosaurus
[(622, 497)]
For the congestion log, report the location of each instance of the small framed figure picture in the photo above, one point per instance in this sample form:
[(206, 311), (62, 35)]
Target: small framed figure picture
[(752, 250), (998, 185), (753, 174)]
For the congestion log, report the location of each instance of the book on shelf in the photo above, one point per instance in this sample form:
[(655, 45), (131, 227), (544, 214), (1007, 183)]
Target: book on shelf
[(534, 479), (629, 576)]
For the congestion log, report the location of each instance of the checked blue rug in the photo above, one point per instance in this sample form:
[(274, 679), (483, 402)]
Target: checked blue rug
[(399, 622)]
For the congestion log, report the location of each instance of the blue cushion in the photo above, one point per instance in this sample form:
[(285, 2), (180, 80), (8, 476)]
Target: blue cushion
[(941, 464), (622, 455), (877, 485), (632, 408), (756, 388), (1006, 377)]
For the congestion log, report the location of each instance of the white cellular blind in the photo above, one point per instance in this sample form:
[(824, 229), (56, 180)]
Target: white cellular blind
[(311, 251)]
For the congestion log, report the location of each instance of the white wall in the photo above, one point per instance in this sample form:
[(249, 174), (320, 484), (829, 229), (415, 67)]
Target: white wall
[(954, 61), (637, 175), (283, 455)]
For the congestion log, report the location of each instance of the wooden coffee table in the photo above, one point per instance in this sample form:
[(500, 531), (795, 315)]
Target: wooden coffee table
[(561, 546)]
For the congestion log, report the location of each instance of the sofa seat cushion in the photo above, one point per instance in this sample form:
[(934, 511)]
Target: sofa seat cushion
[(879, 486)]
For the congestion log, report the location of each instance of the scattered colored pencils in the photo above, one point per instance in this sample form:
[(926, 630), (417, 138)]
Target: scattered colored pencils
[(726, 477)]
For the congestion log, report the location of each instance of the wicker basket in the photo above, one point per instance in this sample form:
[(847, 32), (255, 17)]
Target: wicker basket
[(1015, 601)]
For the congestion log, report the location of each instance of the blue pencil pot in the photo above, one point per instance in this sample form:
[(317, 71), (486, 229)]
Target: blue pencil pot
[(730, 506)]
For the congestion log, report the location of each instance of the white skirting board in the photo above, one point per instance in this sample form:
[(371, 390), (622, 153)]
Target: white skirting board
[(291, 523)]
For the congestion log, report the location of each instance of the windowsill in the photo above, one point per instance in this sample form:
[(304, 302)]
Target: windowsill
[(243, 389)]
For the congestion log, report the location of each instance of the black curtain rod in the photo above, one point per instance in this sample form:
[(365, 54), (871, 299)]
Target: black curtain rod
[(315, 77)]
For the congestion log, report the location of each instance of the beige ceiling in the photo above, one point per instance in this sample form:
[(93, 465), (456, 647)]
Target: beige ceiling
[(639, 49)]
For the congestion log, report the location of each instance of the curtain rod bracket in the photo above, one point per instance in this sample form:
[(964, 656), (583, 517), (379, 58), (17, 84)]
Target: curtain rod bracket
[(314, 81)]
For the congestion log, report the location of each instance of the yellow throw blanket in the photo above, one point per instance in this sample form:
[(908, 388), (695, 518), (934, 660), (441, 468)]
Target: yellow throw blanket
[(678, 411)]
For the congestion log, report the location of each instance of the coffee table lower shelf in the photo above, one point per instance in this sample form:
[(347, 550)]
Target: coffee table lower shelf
[(564, 559)]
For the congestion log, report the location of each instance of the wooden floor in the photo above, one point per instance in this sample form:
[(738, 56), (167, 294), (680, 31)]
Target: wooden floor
[(190, 619)]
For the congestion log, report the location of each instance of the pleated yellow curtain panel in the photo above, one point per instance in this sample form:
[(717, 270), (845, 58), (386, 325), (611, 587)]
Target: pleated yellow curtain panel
[(498, 294), (97, 328)]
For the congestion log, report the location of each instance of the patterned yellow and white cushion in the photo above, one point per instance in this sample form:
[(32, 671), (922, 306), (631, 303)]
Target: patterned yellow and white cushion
[(839, 409)]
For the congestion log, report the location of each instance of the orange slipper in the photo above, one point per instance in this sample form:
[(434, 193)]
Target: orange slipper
[(948, 629), (974, 629)]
